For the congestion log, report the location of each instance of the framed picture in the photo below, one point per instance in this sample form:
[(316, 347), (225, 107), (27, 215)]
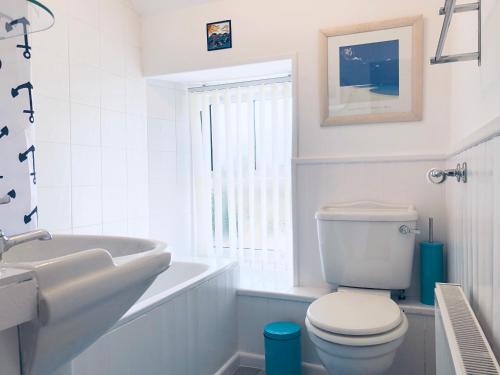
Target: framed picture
[(372, 72), (219, 35)]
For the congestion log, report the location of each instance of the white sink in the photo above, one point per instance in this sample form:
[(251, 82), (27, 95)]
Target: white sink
[(85, 284)]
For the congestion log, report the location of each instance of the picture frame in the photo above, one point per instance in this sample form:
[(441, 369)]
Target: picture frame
[(372, 72), (219, 35)]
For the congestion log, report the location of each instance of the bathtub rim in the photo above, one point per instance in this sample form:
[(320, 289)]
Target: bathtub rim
[(215, 267)]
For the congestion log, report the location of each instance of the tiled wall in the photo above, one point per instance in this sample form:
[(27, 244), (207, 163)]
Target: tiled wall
[(91, 129), (396, 181), (474, 234), (169, 165)]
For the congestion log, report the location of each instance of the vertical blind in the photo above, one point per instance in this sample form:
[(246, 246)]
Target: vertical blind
[(241, 155)]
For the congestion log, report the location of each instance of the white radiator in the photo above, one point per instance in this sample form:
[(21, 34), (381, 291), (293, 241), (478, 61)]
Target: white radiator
[(461, 346)]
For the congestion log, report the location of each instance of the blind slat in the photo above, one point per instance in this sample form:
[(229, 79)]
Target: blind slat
[(242, 176)]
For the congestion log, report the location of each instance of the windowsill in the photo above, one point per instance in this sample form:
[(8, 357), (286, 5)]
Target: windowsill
[(310, 294)]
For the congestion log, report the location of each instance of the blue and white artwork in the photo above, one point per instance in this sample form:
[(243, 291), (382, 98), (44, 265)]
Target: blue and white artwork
[(370, 68)]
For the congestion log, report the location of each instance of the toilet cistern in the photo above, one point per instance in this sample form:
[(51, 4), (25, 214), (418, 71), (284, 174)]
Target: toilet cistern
[(366, 250)]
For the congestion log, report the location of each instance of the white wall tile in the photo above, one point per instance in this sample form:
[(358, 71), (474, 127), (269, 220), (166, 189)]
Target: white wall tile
[(115, 228), (161, 102), (86, 165), (161, 135), (85, 84), (169, 167), (53, 43), (91, 229), (112, 16), (54, 207), (83, 43), (162, 166), (85, 125), (113, 53), (54, 164), (135, 91), (137, 170), (87, 11), (52, 79), (113, 128), (133, 62), (137, 132), (114, 204), (113, 92), (52, 119), (83, 68), (86, 206), (138, 227), (138, 202), (114, 168)]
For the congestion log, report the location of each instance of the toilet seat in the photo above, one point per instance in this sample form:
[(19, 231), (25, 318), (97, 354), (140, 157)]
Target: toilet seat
[(355, 313), (360, 340)]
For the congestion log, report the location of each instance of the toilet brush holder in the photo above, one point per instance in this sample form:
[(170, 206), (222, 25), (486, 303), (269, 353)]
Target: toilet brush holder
[(431, 266)]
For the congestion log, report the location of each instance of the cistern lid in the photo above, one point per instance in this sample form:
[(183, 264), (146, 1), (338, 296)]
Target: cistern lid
[(367, 211), (351, 313)]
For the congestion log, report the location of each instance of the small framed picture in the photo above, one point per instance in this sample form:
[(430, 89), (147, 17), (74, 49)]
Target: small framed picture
[(373, 72), (219, 35)]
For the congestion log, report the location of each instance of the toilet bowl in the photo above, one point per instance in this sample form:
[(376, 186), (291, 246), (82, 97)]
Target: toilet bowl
[(356, 332)]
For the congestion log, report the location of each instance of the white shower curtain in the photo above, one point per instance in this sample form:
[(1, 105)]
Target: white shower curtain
[(241, 157), (17, 123)]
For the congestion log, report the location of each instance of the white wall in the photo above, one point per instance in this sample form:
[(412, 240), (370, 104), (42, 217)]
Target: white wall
[(392, 182), (292, 28), (473, 208), (169, 166), (91, 129), (475, 91), (474, 234)]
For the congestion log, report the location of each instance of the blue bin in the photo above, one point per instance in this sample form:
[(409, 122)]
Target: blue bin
[(282, 342)]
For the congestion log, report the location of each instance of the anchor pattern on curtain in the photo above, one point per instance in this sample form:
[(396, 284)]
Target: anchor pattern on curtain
[(17, 129)]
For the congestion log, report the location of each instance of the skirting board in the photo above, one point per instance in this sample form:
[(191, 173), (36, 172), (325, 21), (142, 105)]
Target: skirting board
[(258, 361)]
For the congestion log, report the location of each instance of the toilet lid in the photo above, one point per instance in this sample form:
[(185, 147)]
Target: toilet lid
[(350, 313)]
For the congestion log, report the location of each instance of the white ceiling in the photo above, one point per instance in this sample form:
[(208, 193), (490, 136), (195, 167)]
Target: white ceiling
[(146, 7)]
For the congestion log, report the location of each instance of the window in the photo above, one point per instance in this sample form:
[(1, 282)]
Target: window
[(241, 148)]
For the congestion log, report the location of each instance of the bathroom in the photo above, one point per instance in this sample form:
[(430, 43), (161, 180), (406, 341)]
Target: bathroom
[(178, 239)]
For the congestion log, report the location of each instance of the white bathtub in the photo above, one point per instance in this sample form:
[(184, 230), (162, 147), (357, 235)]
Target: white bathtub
[(184, 324)]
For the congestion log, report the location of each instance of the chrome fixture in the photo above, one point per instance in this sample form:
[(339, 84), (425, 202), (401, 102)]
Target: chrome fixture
[(405, 229), (438, 176), (450, 7), (5, 199), (7, 243)]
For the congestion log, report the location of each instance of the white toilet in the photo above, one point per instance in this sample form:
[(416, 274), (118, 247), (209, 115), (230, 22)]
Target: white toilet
[(366, 251)]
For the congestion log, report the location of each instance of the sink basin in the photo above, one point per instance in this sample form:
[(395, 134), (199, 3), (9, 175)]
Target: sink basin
[(85, 284)]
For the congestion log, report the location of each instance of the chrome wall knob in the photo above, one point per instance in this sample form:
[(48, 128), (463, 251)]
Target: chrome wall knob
[(438, 176)]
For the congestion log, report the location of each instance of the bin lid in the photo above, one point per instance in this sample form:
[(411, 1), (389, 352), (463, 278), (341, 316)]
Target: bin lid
[(282, 330)]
